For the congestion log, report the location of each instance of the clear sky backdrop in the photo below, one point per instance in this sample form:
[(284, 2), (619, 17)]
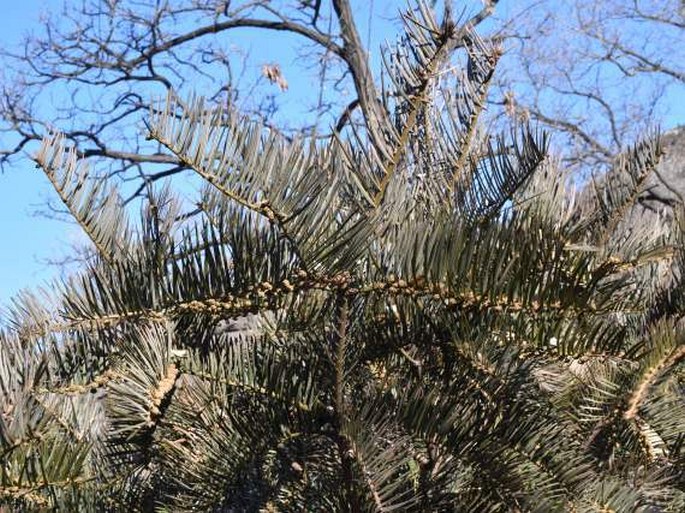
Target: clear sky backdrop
[(27, 240)]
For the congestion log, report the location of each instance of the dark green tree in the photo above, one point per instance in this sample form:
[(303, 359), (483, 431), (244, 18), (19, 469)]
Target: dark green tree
[(424, 320)]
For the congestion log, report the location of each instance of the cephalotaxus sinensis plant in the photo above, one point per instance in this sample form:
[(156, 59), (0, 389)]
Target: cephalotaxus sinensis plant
[(423, 320)]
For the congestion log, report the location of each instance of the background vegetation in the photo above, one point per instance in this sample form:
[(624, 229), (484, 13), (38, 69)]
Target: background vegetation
[(410, 314)]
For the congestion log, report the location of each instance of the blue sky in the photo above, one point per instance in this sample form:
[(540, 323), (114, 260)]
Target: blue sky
[(29, 240), (26, 239)]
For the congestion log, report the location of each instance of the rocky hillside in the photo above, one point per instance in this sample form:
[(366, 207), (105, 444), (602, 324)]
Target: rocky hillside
[(666, 188)]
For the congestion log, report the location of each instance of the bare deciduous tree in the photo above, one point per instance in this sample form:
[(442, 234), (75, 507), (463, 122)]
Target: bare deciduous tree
[(106, 59), (597, 73), (600, 73)]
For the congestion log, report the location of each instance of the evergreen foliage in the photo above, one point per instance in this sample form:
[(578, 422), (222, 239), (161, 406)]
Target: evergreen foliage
[(442, 327)]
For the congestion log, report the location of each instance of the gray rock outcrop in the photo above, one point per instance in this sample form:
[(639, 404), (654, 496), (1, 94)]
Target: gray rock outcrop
[(666, 187)]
